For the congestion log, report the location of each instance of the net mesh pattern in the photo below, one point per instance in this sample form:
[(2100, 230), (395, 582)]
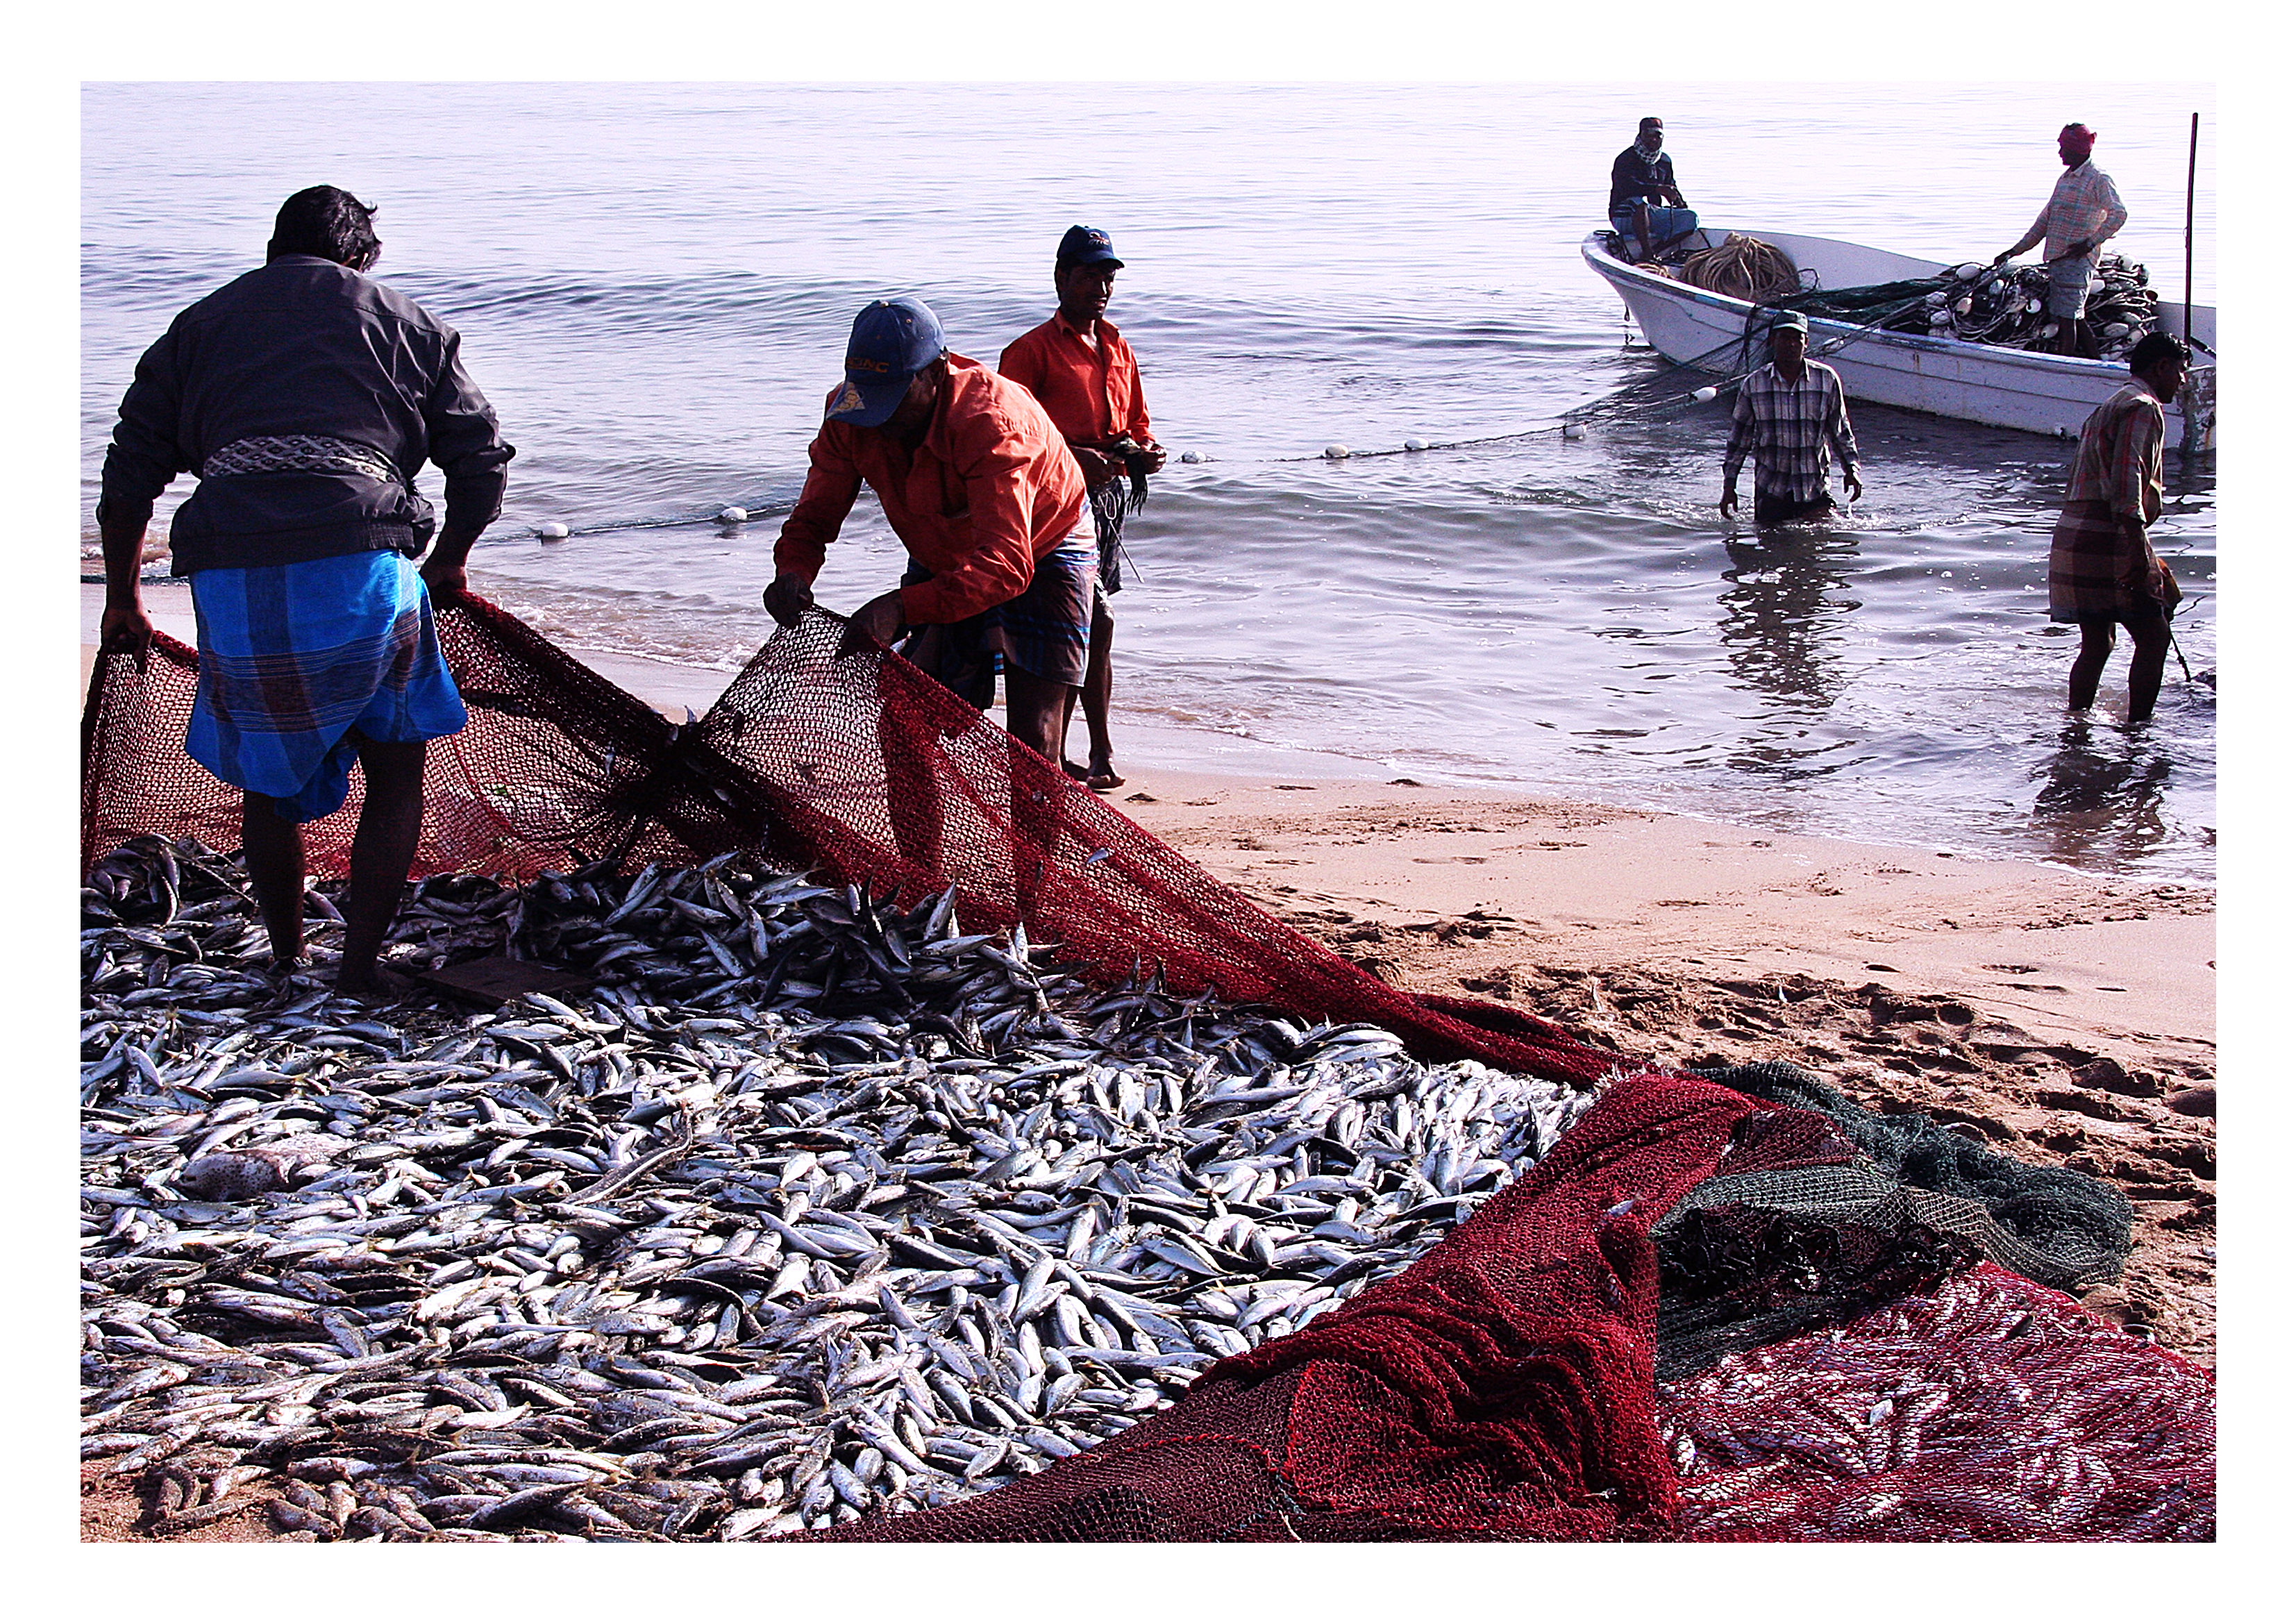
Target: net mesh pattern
[(1796, 1229), (1988, 1409), (2060, 1228), (1500, 1388), (1506, 1385), (862, 768)]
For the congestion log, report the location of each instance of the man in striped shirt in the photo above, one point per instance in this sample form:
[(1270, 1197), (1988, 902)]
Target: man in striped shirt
[(2102, 570), (2083, 212), (1788, 414)]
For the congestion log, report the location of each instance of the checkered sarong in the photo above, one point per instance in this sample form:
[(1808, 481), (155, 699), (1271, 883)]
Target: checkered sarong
[(1044, 631), (297, 661)]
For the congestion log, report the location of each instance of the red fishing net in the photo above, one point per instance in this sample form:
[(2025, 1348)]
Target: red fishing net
[(1501, 1387), (1498, 1388), (863, 768), (1848, 1374), (1988, 1408)]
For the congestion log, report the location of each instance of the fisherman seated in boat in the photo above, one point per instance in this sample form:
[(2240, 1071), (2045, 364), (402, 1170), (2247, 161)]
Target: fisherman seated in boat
[(2083, 210), (2102, 570), (1646, 208), (982, 490), (1788, 414), (1083, 373), (305, 397)]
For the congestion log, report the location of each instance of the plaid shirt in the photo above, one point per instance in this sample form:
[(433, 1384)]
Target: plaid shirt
[(2119, 463), (2084, 207), (2099, 569), (1788, 427)]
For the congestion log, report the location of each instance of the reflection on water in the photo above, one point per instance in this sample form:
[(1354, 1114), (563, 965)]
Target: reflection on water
[(1783, 620), (1515, 607), (2102, 794), (1784, 614)]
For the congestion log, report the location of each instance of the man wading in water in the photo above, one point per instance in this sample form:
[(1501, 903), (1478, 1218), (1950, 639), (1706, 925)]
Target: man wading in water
[(305, 398), (1083, 373), (1788, 414), (2102, 570)]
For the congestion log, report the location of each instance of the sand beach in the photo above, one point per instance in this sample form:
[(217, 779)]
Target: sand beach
[(2056, 1013), (2064, 1018)]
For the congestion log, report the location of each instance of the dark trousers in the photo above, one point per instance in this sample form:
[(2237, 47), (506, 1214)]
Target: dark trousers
[(1778, 509)]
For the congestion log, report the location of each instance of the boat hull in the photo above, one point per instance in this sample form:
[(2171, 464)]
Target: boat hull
[(2008, 389)]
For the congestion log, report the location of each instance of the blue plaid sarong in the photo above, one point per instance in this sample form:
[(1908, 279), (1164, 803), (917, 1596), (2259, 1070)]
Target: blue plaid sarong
[(1666, 222), (294, 657)]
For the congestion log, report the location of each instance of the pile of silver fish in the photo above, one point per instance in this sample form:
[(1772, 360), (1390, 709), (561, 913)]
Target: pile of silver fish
[(809, 1208)]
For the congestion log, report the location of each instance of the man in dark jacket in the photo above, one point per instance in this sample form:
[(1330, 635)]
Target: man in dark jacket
[(1646, 207), (305, 398)]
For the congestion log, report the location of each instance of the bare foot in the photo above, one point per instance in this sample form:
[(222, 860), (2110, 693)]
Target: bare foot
[(1103, 776), (377, 986), (1071, 768)]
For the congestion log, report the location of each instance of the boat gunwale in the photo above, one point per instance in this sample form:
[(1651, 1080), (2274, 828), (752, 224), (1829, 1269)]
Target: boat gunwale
[(1612, 269)]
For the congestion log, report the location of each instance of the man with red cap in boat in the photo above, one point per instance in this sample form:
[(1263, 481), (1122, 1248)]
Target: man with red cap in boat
[(2082, 212)]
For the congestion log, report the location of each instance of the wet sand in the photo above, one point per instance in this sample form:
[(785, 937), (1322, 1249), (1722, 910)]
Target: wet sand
[(2067, 1021)]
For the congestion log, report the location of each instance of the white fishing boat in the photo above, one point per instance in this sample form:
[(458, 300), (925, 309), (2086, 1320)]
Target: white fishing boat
[(1987, 383)]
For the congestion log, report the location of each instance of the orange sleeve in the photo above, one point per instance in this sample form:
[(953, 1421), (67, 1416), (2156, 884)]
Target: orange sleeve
[(830, 485), (1136, 408), (998, 466), (1023, 362)]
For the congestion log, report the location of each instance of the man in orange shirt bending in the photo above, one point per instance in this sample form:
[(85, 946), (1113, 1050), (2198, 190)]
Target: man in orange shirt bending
[(980, 487), (1082, 370)]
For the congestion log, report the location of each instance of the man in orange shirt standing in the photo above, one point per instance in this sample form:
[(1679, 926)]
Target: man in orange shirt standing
[(981, 490), (1082, 370)]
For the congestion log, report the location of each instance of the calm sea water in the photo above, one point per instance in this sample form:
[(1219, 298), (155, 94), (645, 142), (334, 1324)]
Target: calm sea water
[(653, 283)]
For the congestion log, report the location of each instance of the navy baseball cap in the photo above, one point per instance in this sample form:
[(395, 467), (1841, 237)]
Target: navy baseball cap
[(893, 340), (1085, 245)]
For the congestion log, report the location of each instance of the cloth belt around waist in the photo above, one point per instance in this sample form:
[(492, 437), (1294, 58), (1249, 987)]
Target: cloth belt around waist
[(301, 453)]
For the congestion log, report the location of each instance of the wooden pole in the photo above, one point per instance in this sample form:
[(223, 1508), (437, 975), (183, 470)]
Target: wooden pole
[(2192, 174), (2192, 442)]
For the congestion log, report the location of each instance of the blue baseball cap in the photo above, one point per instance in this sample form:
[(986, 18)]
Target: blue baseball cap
[(893, 340), (1085, 245)]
